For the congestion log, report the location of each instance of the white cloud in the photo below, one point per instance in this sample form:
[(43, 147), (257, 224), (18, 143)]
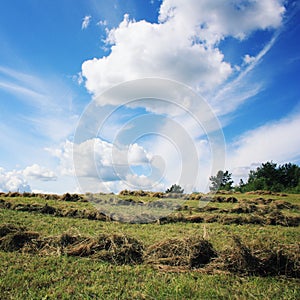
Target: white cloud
[(85, 22), (137, 155), (278, 141), (214, 20), (235, 92), (50, 102), (102, 23), (39, 173), (183, 46), (20, 180), (248, 59), (13, 181), (141, 49), (99, 162)]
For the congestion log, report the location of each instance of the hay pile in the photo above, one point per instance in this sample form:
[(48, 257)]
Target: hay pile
[(192, 252), (117, 249), (237, 258), (259, 260), (14, 238), (71, 197)]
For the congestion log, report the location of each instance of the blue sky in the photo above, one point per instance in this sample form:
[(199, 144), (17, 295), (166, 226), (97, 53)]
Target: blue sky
[(57, 58)]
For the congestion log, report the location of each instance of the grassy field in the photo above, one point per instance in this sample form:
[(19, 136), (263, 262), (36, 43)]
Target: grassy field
[(56, 249)]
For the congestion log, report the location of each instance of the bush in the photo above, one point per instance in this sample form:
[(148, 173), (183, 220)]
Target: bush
[(175, 188)]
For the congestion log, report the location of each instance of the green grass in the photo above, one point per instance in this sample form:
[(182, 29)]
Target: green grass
[(24, 276), (32, 277)]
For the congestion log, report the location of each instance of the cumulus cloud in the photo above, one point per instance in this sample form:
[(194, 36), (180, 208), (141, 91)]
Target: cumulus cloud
[(19, 180), (97, 162), (184, 44), (39, 173), (85, 22), (214, 20), (13, 181), (142, 49)]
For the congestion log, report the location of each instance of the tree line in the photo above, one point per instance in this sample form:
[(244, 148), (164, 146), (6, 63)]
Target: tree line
[(268, 176)]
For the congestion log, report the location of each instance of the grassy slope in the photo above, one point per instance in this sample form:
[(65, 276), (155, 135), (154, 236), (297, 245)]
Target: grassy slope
[(24, 276)]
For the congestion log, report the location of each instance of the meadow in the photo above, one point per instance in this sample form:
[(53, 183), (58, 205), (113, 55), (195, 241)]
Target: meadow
[(225, 246)]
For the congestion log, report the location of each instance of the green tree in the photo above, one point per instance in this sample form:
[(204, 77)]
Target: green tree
[(222, 181), (175, 188), (289, 175), (275, 178)]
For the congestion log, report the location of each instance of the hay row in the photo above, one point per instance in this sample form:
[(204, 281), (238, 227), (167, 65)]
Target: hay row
[(268, 215), (65, 197), (189, 253), (141, 193), (55, 211)]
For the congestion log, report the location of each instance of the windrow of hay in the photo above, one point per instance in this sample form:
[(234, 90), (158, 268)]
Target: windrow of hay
[(14, 238), (6, 229), (262, 215), (65, 197), (56, 211), (274, 218), (263, 192), (118, 249), (259, 259), (193, 252)]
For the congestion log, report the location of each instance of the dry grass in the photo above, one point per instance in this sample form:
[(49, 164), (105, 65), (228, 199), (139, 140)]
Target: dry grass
[(192, 252), (258, 259)]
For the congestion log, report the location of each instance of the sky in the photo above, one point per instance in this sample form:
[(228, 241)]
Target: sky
[(103, 96)]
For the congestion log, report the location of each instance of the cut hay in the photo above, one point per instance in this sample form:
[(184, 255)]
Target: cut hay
[(276, 217), (259, 260), (280, 204), (71, 197), (5, 229), (192, 252), (16, 240), (238, 259), (244, 208), (118, 249)]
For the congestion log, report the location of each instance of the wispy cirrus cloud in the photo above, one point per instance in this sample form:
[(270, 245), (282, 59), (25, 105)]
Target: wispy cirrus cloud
[(48, 101), (241, 87), (278, 141)]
